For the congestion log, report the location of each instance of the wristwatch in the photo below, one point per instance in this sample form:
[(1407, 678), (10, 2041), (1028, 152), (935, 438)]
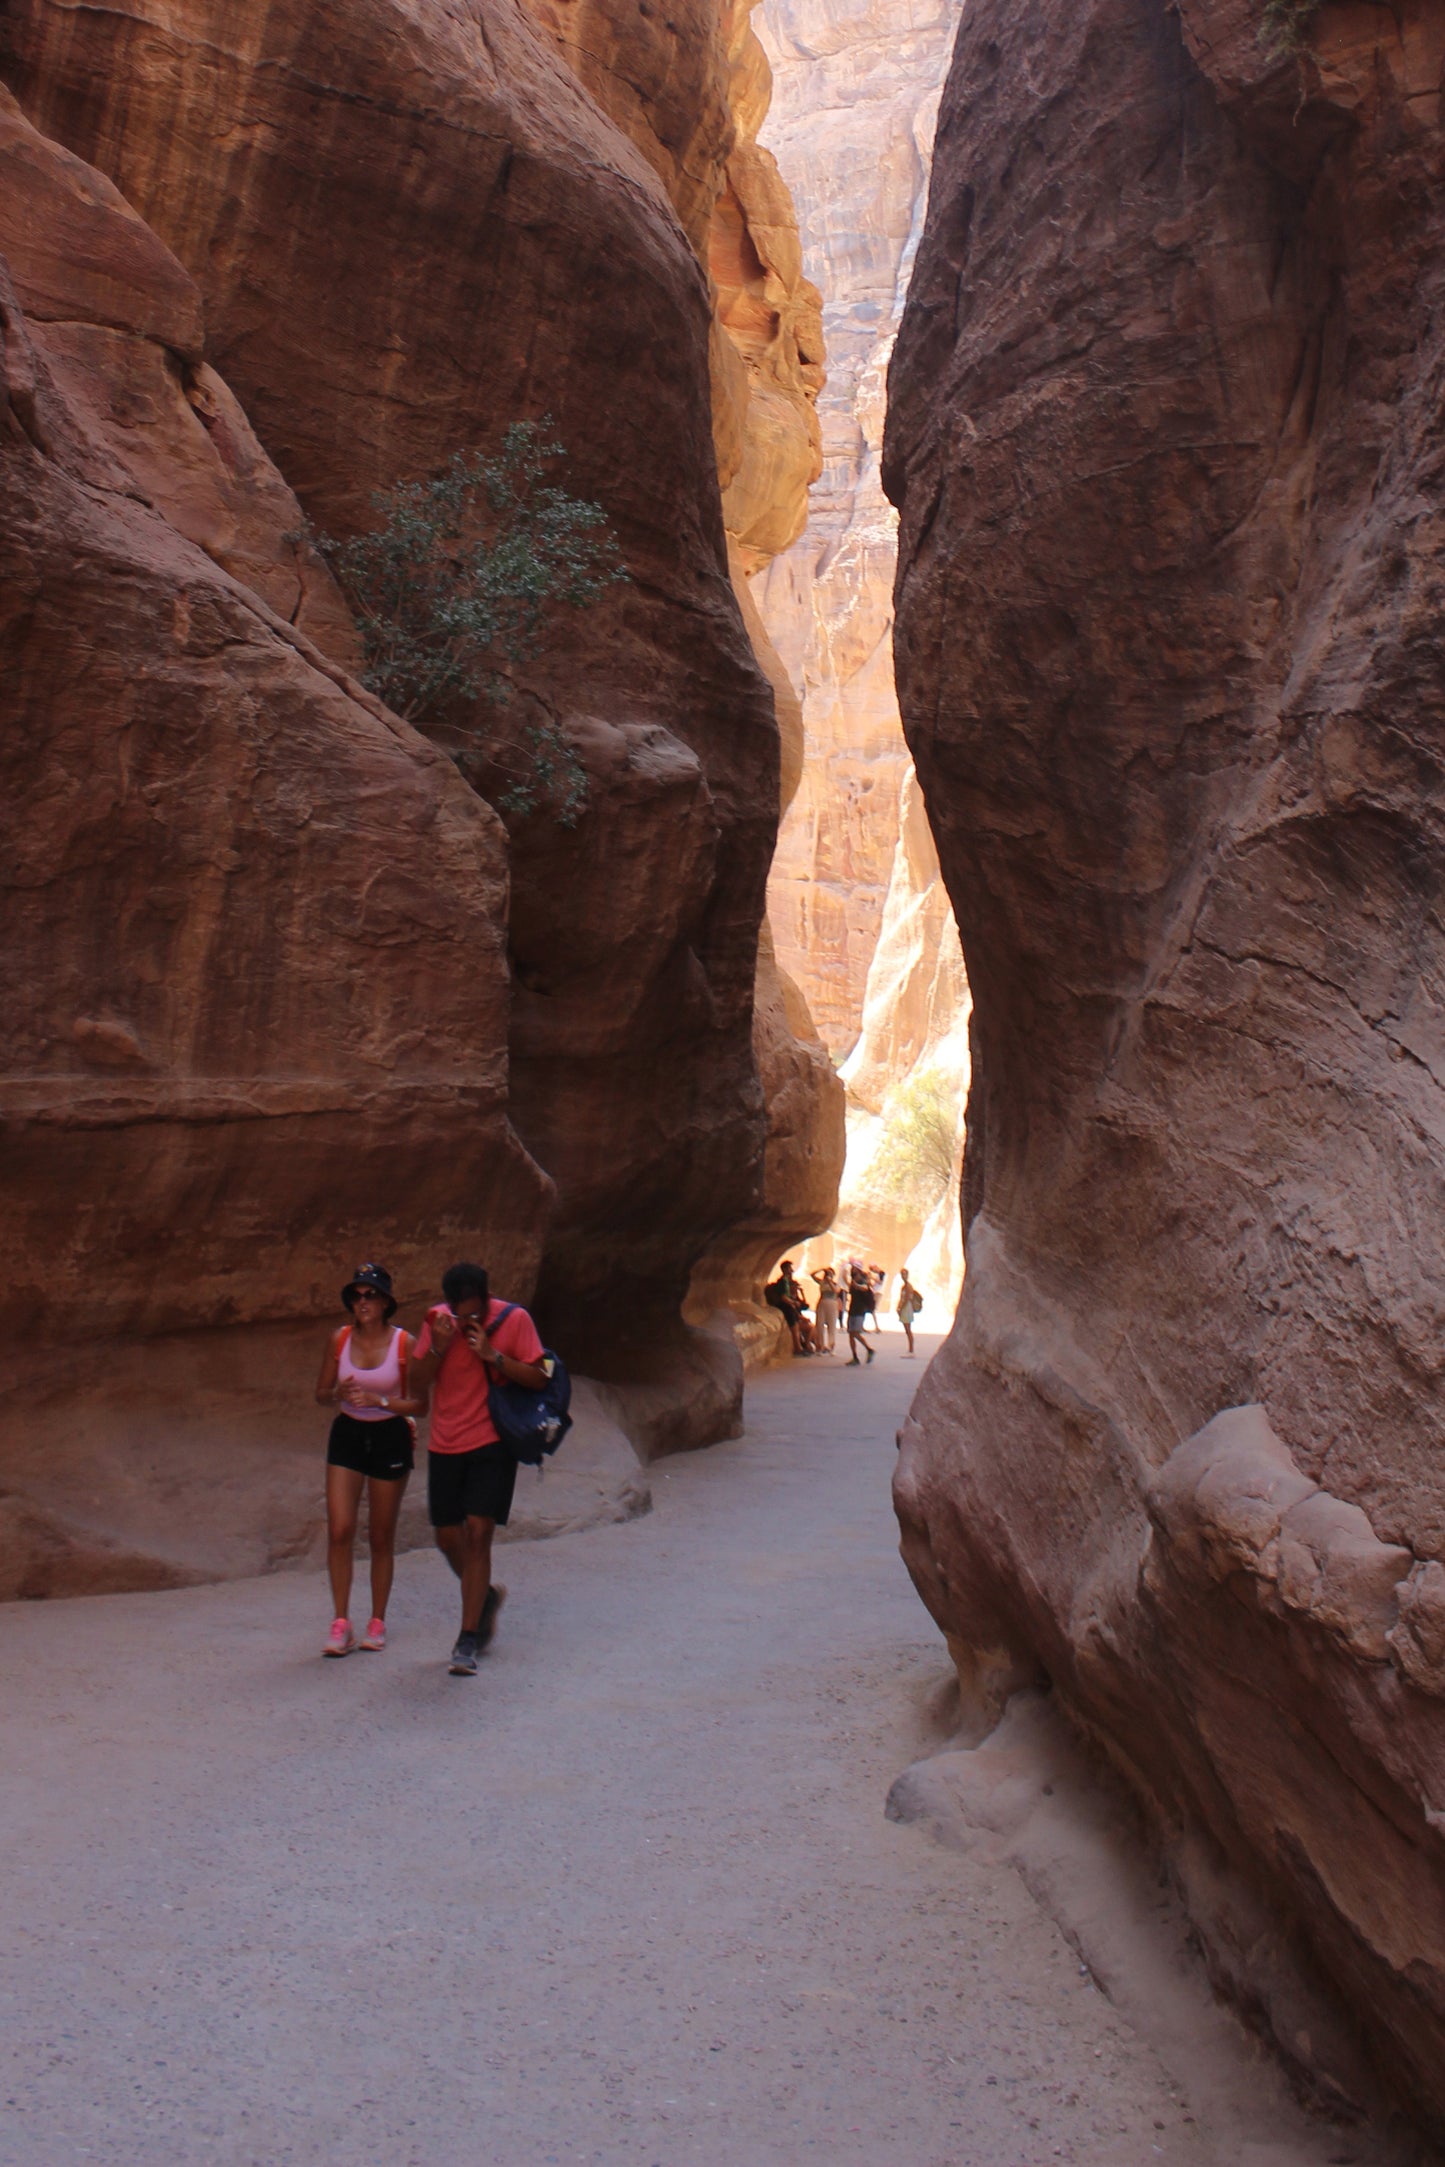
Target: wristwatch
[(386, 1403)]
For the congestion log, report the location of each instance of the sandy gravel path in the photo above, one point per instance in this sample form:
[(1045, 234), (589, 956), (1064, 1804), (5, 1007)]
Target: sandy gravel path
[(628, 1896)]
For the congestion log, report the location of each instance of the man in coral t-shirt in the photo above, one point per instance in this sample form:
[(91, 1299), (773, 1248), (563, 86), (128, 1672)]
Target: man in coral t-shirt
[(465, 1345)]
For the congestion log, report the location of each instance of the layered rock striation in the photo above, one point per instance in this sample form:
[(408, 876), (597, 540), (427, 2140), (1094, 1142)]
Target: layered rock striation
[(1163, 433)]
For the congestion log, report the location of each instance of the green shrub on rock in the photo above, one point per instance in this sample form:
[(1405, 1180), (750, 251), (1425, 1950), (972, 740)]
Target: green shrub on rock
[(913, 1165), (458, 579)]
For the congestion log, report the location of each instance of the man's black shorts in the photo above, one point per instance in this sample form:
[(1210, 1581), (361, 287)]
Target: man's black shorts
[(470, 1485), (379, 1450)]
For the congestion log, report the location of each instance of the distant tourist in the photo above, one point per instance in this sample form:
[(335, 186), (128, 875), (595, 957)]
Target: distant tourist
[(366, 1372), (861, 1305), (910, 1301), (785, 1294), (468, 1340), (826, 1310)]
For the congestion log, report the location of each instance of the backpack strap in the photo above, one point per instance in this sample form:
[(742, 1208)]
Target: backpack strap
[(509, 1309)]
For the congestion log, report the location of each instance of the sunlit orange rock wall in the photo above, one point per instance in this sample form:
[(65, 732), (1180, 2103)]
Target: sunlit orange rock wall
[(1164, 430), (914, 1036), (851, 123)]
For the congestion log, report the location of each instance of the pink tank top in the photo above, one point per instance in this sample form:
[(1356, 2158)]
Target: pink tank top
[(385, 1378)]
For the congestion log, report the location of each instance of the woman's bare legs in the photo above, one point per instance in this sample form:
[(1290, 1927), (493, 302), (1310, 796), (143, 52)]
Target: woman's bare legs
[(855, 1341), (383, 1501), (343, 1496), (907, 1324)]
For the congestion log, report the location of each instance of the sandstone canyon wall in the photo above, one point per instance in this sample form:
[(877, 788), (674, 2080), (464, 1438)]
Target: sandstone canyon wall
[(690, 91), (216, 1026), (851, 122), (1164, 433), (860, 918), (907, 1083), (294, 990)]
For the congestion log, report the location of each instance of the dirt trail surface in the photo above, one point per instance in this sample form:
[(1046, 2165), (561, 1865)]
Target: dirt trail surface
[(628, 1895)]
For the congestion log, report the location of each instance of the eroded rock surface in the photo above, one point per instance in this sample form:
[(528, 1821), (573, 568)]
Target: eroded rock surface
[(851, 124), (411, 225), (767, 375), (1164, 435), (294, 983), (255, 965), (907, 1080)]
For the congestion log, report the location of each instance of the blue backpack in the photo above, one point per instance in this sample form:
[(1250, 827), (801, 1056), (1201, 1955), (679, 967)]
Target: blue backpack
[(532, 1424)]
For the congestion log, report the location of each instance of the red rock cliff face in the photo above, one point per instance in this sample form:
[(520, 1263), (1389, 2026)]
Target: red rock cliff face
[(410, 227), (255, 962), (217, 1021), (1164, 433)]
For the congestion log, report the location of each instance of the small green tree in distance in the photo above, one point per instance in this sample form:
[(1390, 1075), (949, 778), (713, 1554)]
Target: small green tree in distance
[(460, 576), (913, 1165)]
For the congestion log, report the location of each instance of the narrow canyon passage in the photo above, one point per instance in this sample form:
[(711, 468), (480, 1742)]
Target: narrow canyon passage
[(629, 1895)]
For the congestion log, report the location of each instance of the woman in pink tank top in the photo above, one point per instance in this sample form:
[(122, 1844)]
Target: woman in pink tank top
[(365, 1374)]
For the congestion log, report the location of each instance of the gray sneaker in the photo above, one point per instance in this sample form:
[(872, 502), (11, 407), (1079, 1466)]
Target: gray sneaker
[(464, 1656)]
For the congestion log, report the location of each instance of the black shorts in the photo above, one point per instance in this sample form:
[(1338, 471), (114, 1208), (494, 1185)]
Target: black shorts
[(470, 1485), (382, 1451)]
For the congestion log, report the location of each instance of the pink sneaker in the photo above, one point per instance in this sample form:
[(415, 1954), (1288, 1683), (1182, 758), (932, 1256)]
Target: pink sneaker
[(340, 1640), (375, 1634)]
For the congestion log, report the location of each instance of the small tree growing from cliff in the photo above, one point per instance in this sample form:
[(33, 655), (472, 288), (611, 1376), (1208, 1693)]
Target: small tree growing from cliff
[(459, 578), (913, 1166)]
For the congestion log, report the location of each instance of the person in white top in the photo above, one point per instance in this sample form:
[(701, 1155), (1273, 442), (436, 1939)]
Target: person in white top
[(365, 1374)]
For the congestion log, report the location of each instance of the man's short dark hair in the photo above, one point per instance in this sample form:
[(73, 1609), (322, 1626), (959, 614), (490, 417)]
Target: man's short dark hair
[(461, 1281)]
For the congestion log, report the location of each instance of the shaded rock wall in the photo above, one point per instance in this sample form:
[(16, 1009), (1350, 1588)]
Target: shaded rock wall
[(851, 123), (410, 226), (766, 367), (1163, 433), (294, 983), (255, 963), (214, 1023), (447, 236)]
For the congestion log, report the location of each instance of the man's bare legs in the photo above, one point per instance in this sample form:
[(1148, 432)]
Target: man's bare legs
[(468, 1550)]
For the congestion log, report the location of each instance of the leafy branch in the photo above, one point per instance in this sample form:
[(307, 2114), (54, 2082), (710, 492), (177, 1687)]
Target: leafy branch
[(460, 577), (914, 1164)]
